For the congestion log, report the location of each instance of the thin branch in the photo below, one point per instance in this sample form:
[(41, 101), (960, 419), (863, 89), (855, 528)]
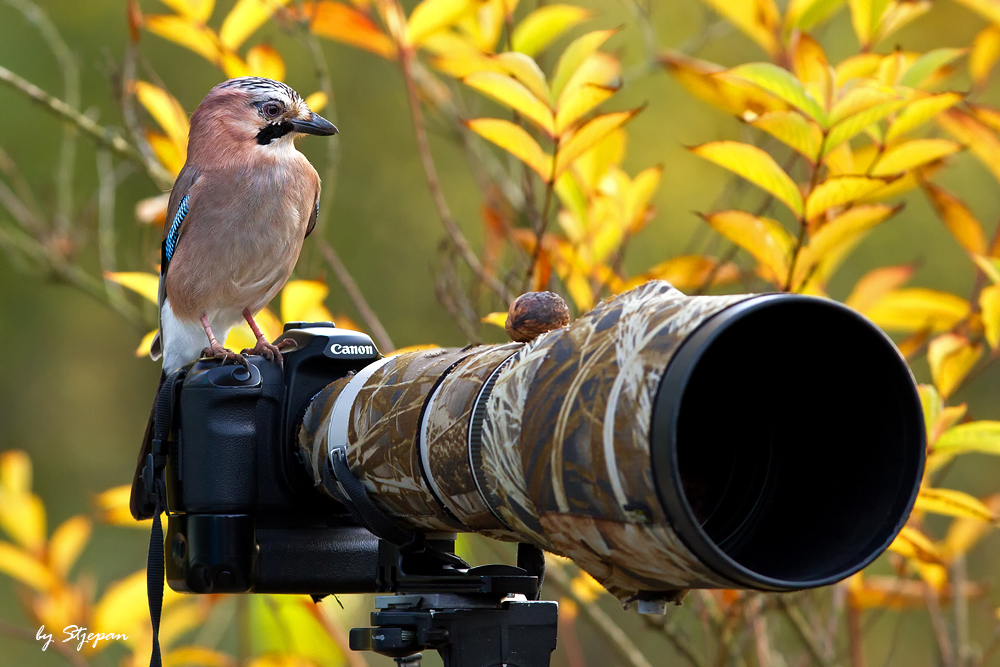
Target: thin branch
[(107, 185), (322, 71), (805, 633), (71, 90), (354, 292), (70, 273), (940, 627), (24, 634), (434, 184), (104, 136)]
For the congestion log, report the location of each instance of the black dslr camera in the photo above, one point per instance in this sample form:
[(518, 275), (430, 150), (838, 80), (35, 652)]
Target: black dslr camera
[(244, 516)]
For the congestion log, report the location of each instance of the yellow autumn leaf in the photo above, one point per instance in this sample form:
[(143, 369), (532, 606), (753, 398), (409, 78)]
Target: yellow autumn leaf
[(516, 141), (165, 110), (965, 533), (589, 135), (838, 191), (951, 357), (19, 564), (146, 285), (112, 506), (193, 10), (194, 36), (688, 272), (167, 152), (931, 404), (734, 96), (766, 240), (860, 96), (525, 70), (513, 94), (859, 66), (757, 167), (875, 284), (984, 54), (497, 319), (303, 301), (197, 656), (341, 23), (960, 221), (240, 337), (22, 517), (263, 60), (782, 84), (545, 25), (914, 308), (67, 541), (848, 224), (990, 266), (244, 19), (577, 102), (978, 436), (911, 543), (15, 472), (757, 19), (317, 101), (432, 15), (980, 140), (919, 112), (810, 66), (575, 55), (792, 129), (898, 14), (911, 154), (146, 344), (989, 304), (124, 607), (950, 502)]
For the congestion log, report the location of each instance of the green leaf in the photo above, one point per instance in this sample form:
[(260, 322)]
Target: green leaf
[(545, 25), (756, 166), (979, 436), (574, 55), (854, 125), (927, 64), (782, 84)]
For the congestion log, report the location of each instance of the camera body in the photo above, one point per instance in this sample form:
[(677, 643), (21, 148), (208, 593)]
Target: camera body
[(243, 514)]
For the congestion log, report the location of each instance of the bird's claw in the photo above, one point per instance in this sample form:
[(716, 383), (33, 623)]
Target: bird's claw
[(269, 351), (225, 355)]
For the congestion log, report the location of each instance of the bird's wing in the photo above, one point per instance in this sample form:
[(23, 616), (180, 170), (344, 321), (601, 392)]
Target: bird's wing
[(177, 213), (313, 216)]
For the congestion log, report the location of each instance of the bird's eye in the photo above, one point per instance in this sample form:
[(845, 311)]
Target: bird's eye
[(272, 110)]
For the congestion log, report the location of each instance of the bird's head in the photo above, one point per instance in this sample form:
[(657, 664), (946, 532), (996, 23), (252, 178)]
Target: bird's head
[(257, 113)]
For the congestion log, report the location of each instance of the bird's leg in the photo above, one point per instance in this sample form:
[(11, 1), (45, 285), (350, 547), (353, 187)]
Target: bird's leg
[(216, 350), (269, 351)]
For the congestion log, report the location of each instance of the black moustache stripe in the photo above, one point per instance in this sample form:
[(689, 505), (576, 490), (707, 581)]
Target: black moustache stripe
[(272, 132)]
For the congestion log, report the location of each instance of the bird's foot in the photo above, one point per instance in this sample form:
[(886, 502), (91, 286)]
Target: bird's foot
[(269, 351), (224, 354)]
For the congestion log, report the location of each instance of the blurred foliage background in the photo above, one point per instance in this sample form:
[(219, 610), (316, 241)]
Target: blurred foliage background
[(74, 396)]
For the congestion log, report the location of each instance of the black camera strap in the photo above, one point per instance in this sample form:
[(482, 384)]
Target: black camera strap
[(155, 486)]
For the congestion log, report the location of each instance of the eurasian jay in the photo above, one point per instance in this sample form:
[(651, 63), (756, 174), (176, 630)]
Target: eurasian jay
[(238, 214)]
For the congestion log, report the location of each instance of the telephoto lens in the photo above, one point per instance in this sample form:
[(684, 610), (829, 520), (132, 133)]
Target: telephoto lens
[(661, 441)]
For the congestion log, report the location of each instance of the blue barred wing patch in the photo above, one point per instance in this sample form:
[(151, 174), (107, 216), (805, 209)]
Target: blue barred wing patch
[(170, 244)]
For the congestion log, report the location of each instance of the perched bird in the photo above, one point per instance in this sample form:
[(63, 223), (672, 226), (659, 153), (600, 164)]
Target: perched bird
[(238, 214)]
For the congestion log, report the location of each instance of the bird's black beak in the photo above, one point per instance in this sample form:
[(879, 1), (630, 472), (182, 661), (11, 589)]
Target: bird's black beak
[(315, 125)]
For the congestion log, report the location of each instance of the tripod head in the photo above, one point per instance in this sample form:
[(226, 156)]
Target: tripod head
[(473, 617)]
